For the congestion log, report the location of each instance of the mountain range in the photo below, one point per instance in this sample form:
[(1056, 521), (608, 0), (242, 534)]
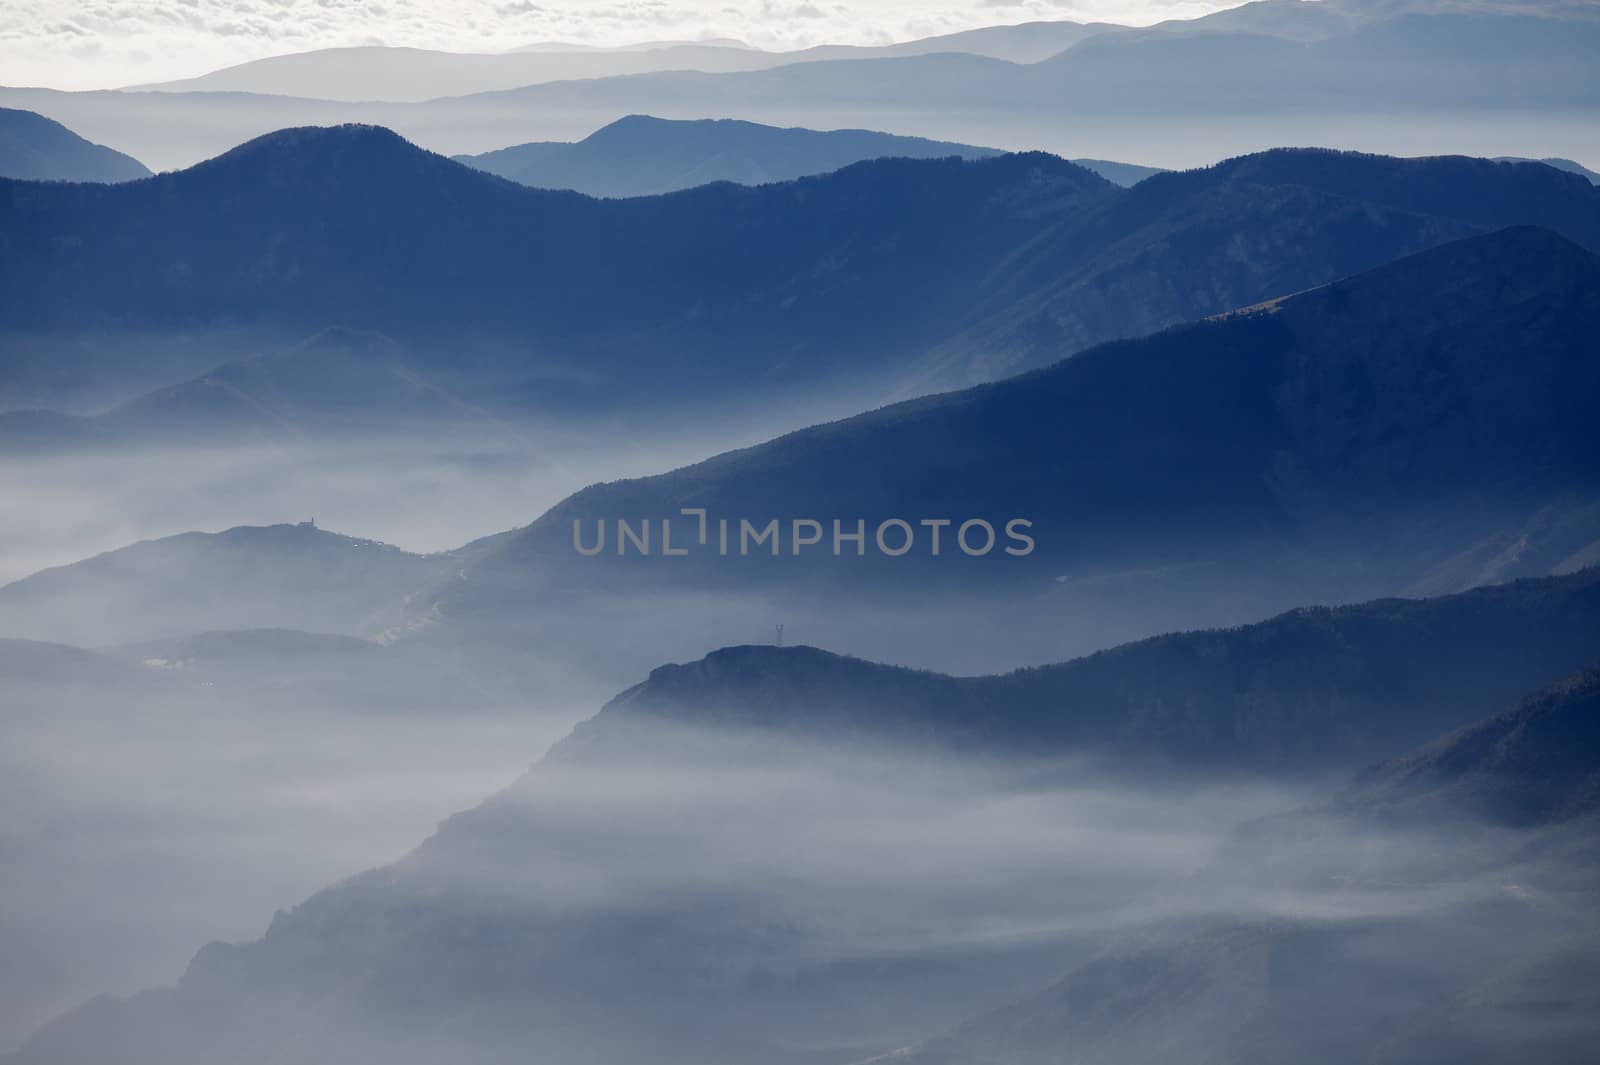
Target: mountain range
[(644, 156), (377, 73), (1560, 164), (285, 576), (1310, 690), (895, 275), (414, 74), (1294, 69), (1423, 426), (1419, 428), (35, 148), (1285, 467), (338, 383), (475, 941)]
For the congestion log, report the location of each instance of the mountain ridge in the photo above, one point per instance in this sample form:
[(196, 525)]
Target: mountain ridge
[(1320, 435), (288, 576), (639, 155), (1219, 685), (370, 944), (36, 148), (894, 275)]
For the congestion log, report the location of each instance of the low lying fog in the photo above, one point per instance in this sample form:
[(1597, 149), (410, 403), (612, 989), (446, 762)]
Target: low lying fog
[(136, 828), (417, 495)]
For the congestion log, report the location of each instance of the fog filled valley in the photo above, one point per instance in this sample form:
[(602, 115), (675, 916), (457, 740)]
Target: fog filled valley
[(980, 550)]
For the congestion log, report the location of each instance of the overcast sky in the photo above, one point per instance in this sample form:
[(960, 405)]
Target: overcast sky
[(83, 44)]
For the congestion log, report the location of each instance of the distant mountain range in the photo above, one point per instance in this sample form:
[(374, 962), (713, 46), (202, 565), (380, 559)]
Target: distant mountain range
[(1304, 70), (378, 73), (644, 156), (1433, 61), (893, 275), (35, 148), (1560, 164), (1419, 428), (1287, 467), (271, 667), (414, 74), (551, 286), (287, 576), (717, 964), (337, 383), (1309, 690)]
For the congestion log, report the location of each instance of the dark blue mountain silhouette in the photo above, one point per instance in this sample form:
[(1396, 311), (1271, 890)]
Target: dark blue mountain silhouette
[(640, 155), (35, 148), (1423, 425), (909, 273)]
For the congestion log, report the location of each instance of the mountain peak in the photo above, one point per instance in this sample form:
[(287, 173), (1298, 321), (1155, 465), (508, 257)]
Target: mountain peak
[(354, 149), (289, 575), (300, 138), (800, 690), (745, 668)]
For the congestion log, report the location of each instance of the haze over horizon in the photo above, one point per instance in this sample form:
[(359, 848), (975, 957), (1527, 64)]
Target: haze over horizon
[(59, 44)]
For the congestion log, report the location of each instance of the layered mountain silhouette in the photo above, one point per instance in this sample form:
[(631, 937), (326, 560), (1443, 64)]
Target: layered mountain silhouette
[(1421, 426), (1560, 164), (413, 74), (1311, 689), (375, 72), (1124, 174), (288, 576), (641, 156), (716, 965), (552, 285), (1446, 61), (339, 383), (1292, 62), (1351, 394), (368, 73), (888, 274), (35, 148)]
